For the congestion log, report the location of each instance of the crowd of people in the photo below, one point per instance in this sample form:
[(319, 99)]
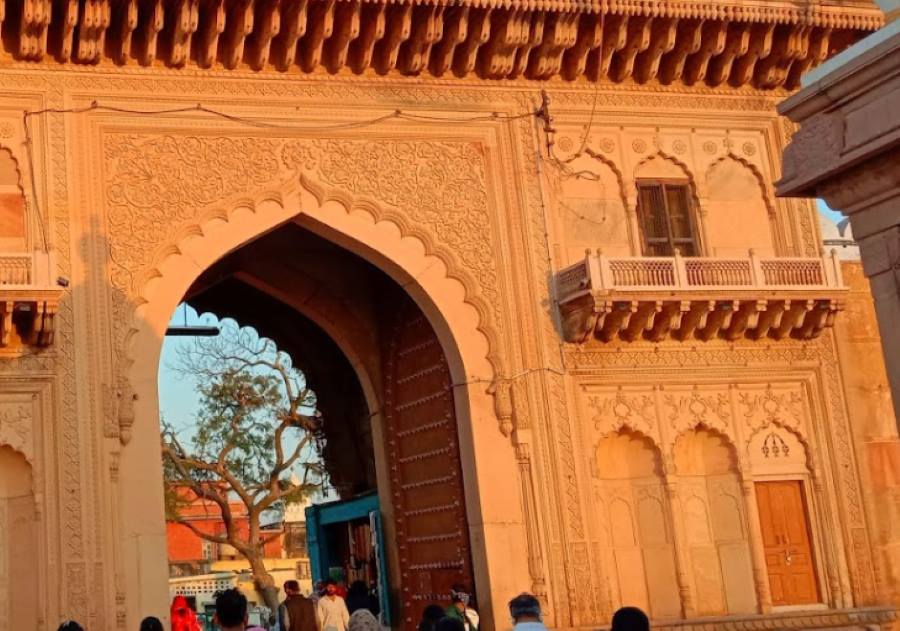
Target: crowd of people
[(329, 608)]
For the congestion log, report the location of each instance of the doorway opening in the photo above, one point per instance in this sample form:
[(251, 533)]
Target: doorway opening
[(389, 441)]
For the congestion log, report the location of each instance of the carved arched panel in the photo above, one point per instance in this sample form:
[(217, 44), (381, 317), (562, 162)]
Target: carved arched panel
[(735, 197), (719, 548), (13, 226), (774, 449), (18, 543), (629, 479), (592, 209)]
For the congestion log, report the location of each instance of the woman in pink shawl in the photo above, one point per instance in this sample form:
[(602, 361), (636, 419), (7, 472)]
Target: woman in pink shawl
[(183, 617)]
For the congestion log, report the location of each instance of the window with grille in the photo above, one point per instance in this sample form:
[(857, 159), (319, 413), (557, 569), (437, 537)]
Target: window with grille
[(664, 209)]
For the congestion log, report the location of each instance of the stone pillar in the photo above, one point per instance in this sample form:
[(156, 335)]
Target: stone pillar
[(757, 547), (847, 152), (682, 554)]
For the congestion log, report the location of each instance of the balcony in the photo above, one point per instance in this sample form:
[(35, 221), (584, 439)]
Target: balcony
[(29, 299), (656, 298)]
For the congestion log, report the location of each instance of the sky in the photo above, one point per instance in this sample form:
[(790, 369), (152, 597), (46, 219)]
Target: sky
[(834, 215), (178, 399), (177, 395)]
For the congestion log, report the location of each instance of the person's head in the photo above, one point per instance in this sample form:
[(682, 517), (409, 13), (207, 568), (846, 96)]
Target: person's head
[(363, 620), (180, 604), (291, 588), (459, 595), (630, 619), (330, 586), (525, 608), (151, 623), (231, 610), (70, 625), (450, 624)]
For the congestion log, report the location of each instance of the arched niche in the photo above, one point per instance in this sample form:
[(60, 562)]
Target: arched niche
[(735, 196), (13, 232), (592, 209), (777, 450), (662, 167), (641, 541), (715, 520), (18, 542)]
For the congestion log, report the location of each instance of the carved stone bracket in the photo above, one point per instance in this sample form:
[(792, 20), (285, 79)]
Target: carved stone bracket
[(684, 298), (657, 320), (674, 41)]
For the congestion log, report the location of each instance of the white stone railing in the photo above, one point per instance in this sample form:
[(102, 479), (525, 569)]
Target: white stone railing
[(600, 273), (29, 288), (652, 298), (26, 269), (16, 269)]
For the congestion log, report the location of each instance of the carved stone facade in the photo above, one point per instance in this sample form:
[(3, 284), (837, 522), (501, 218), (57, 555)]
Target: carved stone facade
[(473, 203)]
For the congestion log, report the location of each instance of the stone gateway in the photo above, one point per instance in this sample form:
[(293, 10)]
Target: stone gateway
[(528, 255)]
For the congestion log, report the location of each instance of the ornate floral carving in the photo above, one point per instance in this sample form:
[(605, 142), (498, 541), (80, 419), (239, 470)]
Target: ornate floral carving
[(710, 147), (607, 145), (687, 411), (748, 148), (16, 421), (679, 147), (772, 406), (156, 184), (620, 409), (639, 145), (774, 446)]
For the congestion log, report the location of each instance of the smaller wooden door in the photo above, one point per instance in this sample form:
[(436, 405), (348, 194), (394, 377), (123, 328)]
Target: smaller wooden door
[(785, 530)]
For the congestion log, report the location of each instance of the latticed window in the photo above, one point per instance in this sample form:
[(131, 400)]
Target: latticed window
[(664, 209)]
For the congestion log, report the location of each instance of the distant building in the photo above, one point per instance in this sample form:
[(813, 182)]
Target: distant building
[(191, 556), (838, 236)]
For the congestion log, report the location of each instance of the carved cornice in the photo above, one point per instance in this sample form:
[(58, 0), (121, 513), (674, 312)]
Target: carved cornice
[(766, 44)]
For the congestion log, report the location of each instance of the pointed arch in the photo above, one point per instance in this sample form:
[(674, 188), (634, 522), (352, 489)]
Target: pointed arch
[(696, 429), (429, 271), (764, 186), (659, 154), (14, 232)]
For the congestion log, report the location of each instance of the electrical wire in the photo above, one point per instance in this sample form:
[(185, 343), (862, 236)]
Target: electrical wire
[(542, 113)]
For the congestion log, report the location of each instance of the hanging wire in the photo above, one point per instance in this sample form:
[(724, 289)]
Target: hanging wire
[(542, 114)]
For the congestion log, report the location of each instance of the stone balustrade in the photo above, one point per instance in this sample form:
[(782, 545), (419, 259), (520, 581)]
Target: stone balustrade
[(653, 298), (29, 299)]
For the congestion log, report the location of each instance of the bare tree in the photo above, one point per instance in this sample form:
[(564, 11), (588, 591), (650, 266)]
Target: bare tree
[(254, 442)]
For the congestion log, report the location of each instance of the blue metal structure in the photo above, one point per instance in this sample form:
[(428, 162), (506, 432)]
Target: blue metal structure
[(320, 516)]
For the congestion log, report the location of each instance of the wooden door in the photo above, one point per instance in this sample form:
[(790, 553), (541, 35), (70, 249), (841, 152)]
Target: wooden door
[(426, 476), (788, 550)]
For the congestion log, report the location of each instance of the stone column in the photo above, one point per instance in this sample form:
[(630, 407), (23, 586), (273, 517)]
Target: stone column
[(757, 547), (530, 510), (847, 152), (682, 554)]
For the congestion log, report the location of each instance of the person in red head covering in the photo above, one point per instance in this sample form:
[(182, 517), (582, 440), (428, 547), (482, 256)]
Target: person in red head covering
[(183, 617)]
